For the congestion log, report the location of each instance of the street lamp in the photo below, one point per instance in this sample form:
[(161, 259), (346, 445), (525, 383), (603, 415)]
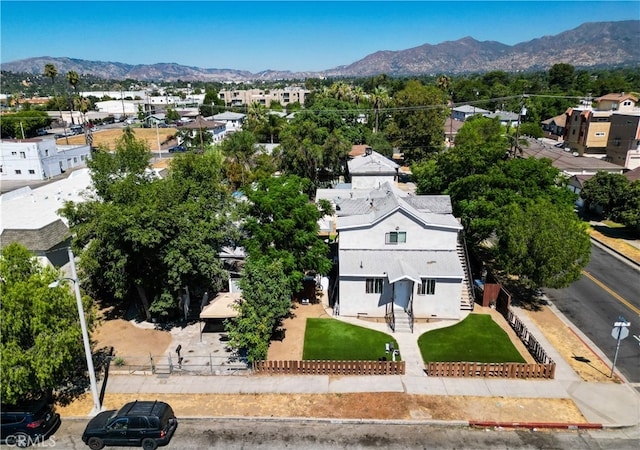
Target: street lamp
[(85, 334)]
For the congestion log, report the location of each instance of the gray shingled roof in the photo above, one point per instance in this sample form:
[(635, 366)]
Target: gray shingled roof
[(360, 211), (39, 240), (565, 161), (399, 264), (372, 164), (470, 109)]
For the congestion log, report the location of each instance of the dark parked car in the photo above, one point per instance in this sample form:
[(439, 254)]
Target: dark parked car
[(177, 149), (28, 423), (149, 424)]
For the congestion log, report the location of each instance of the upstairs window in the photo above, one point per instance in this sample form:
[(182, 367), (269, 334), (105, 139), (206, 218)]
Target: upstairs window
[(374, 285), (396, 237), (427, 287)]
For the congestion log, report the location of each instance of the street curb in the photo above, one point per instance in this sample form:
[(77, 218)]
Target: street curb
[(603, 245), (441, 423), (537, 425)]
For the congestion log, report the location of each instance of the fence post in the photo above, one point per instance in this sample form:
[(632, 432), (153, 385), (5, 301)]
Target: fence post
[(153, 368)]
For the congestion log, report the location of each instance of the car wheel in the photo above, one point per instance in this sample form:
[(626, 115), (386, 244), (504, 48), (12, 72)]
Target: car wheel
[(149, 444), (21, 440), (95, 443)]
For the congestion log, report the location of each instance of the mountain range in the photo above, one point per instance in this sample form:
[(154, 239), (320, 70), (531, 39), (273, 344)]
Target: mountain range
[(591, 45)]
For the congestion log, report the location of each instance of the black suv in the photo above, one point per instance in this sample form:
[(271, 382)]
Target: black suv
[(141, 423), (28, 423)]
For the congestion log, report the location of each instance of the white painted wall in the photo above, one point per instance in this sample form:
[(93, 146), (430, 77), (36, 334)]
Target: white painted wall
[(371, 181), (39, 159), (444, 304), (418, 237)]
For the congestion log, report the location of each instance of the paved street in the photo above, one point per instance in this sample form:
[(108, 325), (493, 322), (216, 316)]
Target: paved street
[(610, 288), (240, 434)]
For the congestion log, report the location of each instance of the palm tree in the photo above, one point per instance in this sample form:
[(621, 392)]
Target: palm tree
[(380, 99), (73, 78), (50, 71)]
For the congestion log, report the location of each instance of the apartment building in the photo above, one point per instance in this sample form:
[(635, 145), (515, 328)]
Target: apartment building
[(38, 159), (623, 144), (288, 95), (587, 127)]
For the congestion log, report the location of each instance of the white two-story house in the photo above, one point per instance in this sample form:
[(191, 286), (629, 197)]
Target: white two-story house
[(398, 256)]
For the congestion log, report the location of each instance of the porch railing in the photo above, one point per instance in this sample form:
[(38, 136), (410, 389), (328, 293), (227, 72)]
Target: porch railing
[(389, 317)]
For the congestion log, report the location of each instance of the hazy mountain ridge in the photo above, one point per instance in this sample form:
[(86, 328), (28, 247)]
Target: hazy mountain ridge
[(589, 45)]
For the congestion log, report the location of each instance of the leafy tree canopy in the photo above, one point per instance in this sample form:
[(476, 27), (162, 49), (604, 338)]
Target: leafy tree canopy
[(542, 243), (41, 340), (23, 123), (606, 190), (266, 300), (283, 225), (149, 239), (417, 132)]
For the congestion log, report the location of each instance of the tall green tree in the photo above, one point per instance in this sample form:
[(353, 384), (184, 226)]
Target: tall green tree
[(41, 340), (417, 122), (605, 190), (266, 300), (562, 77), (27, 122), (543, 244), (50, 71), (239, 149), (282, 224), (629, 211), (480, 144), (145, 240), (73, 79), (478, 199)]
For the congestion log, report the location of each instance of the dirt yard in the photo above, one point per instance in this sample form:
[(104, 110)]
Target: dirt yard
[(108, 137), (128, 339)]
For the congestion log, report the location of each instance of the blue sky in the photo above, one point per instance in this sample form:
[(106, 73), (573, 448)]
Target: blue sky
[(288, 35)]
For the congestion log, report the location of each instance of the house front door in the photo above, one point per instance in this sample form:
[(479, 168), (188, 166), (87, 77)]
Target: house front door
[(402, 294)]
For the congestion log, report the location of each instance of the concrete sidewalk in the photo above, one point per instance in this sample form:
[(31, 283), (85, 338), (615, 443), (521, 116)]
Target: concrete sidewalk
[(610, 405)]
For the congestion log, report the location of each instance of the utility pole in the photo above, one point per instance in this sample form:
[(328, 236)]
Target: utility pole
[(521, 112)]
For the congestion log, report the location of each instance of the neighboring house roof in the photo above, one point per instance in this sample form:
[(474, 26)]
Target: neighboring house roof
[(578, 180), (566, 162), (633, 175), (190, 112), (469, 109), (503, 115), (229, 115), (30, 216), (358, 150), (452, 126), (201, 123), (560, 120), (617, 97), (372, 164)]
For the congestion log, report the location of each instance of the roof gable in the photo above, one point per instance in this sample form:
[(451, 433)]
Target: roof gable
[(373, 163)]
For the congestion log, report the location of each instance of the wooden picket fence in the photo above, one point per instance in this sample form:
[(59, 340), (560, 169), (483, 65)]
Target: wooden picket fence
[(498, 370), (329, 367)]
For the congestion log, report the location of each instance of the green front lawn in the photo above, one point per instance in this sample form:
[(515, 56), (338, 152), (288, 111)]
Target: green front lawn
[(333, 340), (476, 339)]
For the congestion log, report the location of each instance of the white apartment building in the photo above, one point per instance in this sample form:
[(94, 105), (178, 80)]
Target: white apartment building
[(39, 159), (290, 94)]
